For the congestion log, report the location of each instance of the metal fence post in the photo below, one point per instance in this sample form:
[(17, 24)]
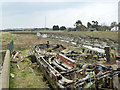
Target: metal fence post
[(11, 47)]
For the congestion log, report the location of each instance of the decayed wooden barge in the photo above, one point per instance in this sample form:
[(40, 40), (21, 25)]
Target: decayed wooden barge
[(62, 72)]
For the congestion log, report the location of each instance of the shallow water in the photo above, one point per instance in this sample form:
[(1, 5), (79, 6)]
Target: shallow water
[(95, 49)]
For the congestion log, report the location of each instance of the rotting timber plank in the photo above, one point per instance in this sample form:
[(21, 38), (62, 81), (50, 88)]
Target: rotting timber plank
[(116, 82), (47, 77)]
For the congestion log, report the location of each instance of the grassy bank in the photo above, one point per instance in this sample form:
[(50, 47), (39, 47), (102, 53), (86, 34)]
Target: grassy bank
[(25, 76)]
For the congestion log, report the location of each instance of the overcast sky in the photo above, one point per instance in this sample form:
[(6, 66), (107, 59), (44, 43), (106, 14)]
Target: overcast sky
[(32, 13)]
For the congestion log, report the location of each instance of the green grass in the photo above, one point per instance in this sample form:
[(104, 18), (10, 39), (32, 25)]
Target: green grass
[(11, 70), (25, 78), (11, 84), (34, 32), (28, 31), (8, 37), (11, 80), (41, 77), (23, 48), (27, 60), (28, 86), (0, 36), (25, 73), (93, 31)]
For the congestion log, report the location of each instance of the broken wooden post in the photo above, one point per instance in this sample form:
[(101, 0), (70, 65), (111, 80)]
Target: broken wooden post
[(48, 42), (104, 83), (111, 82), (112, 55), (107, 52), (116, 83)]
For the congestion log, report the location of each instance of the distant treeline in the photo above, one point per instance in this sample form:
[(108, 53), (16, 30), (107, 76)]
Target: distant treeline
[(78, 26)]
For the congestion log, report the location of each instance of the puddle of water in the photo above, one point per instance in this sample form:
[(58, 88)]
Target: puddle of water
[(67, 41), (97, 45), (57, 37), (44, 35), (95, 49), (62, 40), (71, 40), (73, 43)]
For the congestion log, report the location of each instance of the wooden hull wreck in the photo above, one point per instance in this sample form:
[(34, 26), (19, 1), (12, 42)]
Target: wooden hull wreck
[(62, 72)]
